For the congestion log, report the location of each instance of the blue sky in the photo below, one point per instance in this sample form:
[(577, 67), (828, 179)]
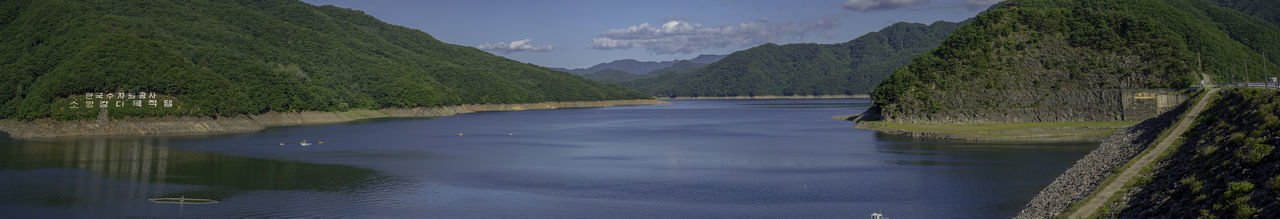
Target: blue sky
[(579, 33)]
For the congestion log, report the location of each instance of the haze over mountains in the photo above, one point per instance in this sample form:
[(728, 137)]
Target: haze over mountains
[(639, 67), (610, 75)]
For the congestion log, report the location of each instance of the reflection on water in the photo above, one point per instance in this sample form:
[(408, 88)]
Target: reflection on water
[(690, 159), (97, 172)]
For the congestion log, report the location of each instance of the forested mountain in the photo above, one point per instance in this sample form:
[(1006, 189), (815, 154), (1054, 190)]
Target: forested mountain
[(1267, 10), (852, 67), (639, 67), (222, 58), (1036, 56)]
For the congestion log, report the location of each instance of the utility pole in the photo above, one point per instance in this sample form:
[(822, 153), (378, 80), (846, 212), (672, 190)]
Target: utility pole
[(1234, 70), (1264, 69), (1204, 82)]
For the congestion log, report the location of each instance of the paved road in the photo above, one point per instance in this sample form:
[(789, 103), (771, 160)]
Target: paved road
[(1254, 85), (1094, 203)]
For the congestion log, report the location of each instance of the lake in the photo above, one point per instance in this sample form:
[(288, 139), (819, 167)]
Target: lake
[(692, 158)]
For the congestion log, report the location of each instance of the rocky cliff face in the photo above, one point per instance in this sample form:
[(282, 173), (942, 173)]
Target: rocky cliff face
[(1039, 105), (1225, 167)]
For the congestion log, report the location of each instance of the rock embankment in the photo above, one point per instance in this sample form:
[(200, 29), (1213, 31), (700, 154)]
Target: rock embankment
[(1227, 166), (1088, 173), (48, 128)]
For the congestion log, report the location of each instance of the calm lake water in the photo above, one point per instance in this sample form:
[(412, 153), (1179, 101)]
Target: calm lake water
[(693, 158)]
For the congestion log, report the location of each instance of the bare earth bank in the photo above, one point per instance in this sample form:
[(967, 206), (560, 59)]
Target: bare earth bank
[(770, 97), (49, 128)]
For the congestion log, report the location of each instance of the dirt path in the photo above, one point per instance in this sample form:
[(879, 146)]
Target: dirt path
[(1092, 205)]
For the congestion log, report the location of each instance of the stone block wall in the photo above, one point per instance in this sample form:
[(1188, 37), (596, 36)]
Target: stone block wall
[(1140, 104)]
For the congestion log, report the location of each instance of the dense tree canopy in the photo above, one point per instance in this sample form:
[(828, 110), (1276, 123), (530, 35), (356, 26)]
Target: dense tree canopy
[(1039, 47), (221, 58), (1267, 10), (852, 67)]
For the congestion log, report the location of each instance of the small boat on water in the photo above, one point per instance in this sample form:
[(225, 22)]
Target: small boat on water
[(183, 200), (304, 143)]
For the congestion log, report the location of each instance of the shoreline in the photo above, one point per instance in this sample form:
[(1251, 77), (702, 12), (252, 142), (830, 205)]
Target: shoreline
[(771, 97), (1000, 132), (49, 128)]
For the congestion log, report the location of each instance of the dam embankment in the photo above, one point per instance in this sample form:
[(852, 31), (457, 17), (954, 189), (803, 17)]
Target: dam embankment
[(1088, 173), (1225, 165)]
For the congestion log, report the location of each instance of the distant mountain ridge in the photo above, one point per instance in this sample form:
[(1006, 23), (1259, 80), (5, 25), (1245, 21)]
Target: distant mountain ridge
[(610, 75), (639, 67), (852, 67)]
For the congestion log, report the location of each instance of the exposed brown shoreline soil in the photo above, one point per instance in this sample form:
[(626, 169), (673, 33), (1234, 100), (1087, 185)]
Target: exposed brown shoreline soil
[(768, 97), (1065, 133), (49, 128)]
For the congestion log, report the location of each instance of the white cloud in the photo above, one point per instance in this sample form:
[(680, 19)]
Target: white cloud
[(679, 35), (979, 4), (514, 46), (878, 5)]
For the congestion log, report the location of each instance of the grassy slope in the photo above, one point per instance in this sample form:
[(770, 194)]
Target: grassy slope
[(244, 57), (1224, 166)]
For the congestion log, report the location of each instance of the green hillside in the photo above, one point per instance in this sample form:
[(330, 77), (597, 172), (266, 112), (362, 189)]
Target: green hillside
[(1029, 57), (852, 67), (222, 58), (1267, 10)]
